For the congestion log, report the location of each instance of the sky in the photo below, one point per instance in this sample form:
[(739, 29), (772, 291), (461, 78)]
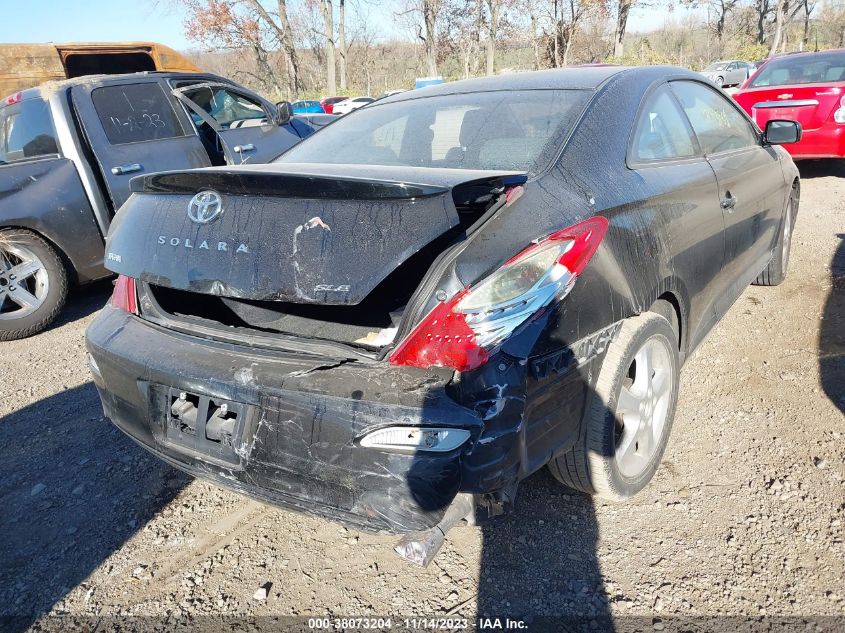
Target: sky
[(30, 21)]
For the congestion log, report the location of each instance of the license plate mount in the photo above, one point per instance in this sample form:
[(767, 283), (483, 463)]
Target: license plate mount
[(208, 427)]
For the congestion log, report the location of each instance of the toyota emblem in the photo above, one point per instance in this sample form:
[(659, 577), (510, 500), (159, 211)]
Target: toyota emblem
[(205, 207)]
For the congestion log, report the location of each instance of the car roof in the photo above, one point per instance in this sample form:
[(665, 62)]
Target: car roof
[(103, 80), (576, 78), (830, 51)]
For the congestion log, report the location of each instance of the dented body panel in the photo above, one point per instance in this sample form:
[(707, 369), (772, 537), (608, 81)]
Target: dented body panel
[(341, 231), (299, 448), (667, 238)]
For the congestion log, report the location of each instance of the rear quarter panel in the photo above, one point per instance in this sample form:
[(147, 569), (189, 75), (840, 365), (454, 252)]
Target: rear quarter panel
[(666, 231)]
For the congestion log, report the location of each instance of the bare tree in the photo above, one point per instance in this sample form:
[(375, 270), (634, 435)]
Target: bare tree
[(762, 10), (622, 11), (281, 27), (328, 33), (494, 8), (424, 14), (462, 23), (535, 35), (343, 48), (566, 18), (234, 25), (781, 11)]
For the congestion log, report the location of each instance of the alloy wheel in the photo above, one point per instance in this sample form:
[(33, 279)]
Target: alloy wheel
[(24, 282), (642, 407)]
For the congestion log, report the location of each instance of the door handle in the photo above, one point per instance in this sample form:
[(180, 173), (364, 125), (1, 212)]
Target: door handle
[(240, 149), (728, 202), (126, 169)]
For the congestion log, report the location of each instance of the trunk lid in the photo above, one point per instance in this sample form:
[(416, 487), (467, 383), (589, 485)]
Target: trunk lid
[(812, 105), (323, 234)]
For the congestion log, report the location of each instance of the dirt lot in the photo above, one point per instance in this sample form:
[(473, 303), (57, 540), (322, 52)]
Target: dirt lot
[(745, 517)]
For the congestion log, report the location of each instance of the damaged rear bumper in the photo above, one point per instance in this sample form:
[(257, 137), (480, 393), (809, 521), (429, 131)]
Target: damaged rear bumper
[(286, 428), (294, 426)]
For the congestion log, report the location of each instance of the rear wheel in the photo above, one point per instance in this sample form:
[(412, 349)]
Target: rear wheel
[(629, 418), (33, 284), (775, 273)]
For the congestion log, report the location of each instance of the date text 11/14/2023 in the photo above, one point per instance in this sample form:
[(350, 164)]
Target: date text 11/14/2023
[(418, 624)]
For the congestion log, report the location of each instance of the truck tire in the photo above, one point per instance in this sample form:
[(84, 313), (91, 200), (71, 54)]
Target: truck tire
[(629, 416), (33, 284), (775, 273)]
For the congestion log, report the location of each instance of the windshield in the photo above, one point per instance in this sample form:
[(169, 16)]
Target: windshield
[(717, 66), (498, 130), (801, 69)]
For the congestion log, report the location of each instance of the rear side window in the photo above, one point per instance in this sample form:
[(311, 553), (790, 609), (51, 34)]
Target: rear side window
[(135, 112), (662, 130), (26, 131), (718, 125)]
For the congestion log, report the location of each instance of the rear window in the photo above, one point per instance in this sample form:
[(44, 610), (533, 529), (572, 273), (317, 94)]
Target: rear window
[(498, 130), (135, 112), (801, 69), (26, 131)]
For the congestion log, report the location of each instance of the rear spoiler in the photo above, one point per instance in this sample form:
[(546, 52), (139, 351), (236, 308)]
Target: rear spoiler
[(298, 185)]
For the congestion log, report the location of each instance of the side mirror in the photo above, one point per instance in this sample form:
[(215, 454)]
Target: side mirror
[(284, 112), (781, 132)]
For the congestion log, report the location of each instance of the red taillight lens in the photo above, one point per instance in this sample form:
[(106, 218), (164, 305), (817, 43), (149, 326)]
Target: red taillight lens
[(13, 99), (461, 332), (443, 339), (124, 296)]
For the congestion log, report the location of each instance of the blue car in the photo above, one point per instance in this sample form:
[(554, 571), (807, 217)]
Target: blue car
[(307, 106)]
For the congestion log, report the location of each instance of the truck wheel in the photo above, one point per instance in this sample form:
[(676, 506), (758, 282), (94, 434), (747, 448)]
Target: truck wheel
[(33, 284), (628, 419), (775, 273)]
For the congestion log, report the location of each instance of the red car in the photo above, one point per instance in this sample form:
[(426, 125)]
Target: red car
[(328, 103), (804, 87)]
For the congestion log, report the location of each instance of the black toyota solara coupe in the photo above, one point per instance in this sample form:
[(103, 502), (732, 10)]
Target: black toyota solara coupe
[(417, 307)]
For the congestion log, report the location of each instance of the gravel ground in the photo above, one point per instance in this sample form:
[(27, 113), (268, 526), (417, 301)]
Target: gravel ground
[(745, 517)]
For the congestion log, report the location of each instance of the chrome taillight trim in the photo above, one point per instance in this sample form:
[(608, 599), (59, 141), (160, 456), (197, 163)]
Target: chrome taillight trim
[(494, 323)]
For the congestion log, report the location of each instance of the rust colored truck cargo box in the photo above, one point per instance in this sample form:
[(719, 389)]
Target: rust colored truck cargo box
[(28, 65)]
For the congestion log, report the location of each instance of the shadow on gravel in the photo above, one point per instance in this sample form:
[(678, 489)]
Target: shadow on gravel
[(832, 333), (83, 301), (540, 562), (73, 490), (821, 168)]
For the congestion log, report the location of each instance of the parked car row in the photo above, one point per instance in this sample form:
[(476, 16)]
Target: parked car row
[(729, 73), (69, 149), (330, 105), (408, 313), (807, 87)]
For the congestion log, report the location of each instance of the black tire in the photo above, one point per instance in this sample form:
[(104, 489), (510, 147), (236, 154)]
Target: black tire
[(775, 273), (53, 299), (720, 82), (592, 466)]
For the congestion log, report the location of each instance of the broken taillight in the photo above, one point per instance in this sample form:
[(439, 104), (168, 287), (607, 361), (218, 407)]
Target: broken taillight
[(124, 296), (461, 333)]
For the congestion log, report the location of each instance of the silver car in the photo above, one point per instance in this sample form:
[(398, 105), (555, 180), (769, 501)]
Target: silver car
[(728, 73)]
